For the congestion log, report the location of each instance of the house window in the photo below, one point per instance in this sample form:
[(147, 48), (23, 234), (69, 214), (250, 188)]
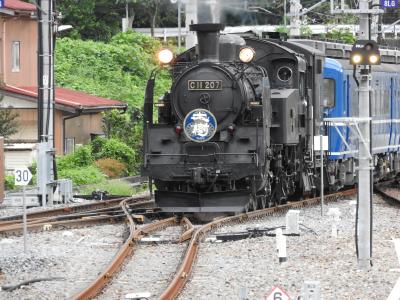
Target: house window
[(15, 56)]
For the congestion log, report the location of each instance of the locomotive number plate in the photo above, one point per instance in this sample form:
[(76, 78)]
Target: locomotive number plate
[(200, 85)]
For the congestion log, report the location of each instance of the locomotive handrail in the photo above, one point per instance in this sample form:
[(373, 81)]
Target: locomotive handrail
[(252, 155)]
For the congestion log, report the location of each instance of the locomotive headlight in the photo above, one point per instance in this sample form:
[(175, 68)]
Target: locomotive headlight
[(247, 54), (165, 56)]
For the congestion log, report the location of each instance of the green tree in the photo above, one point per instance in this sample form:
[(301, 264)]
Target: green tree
[(8, 121), (91, 19)]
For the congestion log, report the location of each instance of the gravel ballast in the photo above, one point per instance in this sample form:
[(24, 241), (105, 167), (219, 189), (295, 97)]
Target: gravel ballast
[(225, 270), (77, 255)]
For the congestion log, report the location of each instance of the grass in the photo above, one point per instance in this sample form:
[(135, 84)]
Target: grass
[(113, 187)]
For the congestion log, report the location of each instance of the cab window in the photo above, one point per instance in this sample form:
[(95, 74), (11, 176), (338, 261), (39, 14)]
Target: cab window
[(328, 93)]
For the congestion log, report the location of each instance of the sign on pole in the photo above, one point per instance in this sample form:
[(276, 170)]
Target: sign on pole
[(389, 3), (317, 143), (22, 175), (277, 293)]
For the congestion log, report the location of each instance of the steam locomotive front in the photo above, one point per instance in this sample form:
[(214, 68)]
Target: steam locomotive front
[(210, 140)]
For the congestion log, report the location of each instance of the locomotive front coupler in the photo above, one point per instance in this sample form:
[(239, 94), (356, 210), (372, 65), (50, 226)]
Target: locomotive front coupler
[(201, 175)]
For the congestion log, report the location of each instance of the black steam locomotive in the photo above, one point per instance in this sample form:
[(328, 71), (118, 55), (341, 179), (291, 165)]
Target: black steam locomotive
[(236, 130)]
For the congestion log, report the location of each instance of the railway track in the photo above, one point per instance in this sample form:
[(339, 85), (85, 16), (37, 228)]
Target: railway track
[(183, 272), (80, 215), (127, 249), (195, 237), (390, 191)]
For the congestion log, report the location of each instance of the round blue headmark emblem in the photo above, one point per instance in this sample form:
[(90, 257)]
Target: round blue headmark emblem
[(200, 125)]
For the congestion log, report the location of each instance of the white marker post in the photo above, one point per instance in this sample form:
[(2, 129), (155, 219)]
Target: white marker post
[(321, 144), (22, 177), (335, 214), (281, 245)]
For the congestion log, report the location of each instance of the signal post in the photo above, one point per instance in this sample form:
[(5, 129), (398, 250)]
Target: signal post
[(365, 53)]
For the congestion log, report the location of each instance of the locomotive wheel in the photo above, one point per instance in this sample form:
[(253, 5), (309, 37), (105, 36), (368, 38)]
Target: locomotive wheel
[(252, 205), (262, 201)]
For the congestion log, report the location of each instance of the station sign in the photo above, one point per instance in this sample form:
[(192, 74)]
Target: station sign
[(389, 3), (277, 293)]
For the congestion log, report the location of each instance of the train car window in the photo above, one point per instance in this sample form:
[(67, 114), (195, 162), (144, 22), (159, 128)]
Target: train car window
[(302, 85), (328, 93)]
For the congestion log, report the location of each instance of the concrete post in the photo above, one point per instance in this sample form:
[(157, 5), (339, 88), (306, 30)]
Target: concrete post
[(2, 169), (191, 18), (295, 7)]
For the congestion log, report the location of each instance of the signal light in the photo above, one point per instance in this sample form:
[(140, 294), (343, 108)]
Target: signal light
[(365, 52), (178, 129), (165, 56)]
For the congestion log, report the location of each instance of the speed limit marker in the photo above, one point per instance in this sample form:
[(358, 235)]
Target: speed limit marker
[(22, 176), (277, 293)]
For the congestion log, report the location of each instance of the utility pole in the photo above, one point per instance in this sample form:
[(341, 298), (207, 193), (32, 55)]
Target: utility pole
[(179, 23), (295, 22), (191, 18), (46, 152)]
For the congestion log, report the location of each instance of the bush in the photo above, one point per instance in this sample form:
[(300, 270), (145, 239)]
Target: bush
[(9, 182), (82, 175), (111, 167), (115, 149), (81, 157)]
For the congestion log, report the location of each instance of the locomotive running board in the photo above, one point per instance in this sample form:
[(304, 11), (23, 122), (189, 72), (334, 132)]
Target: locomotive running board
[(232, 201)]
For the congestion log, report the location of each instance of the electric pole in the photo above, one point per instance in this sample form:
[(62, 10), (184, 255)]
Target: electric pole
[(191, 18), (46, 152), (295, 22)]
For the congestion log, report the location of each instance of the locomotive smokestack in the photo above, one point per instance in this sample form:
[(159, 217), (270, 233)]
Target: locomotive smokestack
[(208, 40)]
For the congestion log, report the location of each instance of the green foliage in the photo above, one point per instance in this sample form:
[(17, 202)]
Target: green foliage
[(9, 182), (8, 121), (305, 31), (116, 70), (101, 19), (344, 35), (83, 175), (81, 157), (282, 29), (115, 149)]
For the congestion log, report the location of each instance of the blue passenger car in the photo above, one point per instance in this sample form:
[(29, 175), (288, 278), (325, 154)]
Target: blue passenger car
[(341, 101)]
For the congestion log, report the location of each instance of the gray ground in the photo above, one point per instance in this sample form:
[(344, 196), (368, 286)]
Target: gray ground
[(77, 255)]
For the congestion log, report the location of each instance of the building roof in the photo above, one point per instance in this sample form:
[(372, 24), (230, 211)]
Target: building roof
[(19, 5), (70, 98)]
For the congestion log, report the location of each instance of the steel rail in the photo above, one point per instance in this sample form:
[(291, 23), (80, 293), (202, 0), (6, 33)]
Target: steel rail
[(98, 284), (76, 208), (380, 189), (15, 230), (178, 282), (70, 220)]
